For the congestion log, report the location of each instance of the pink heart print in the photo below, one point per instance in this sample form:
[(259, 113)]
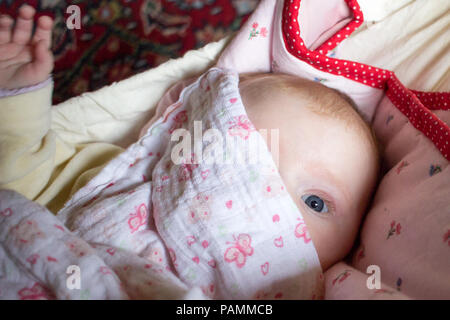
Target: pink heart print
[(205, 244), (278, 242), (205, 174), (276, 218), (111, 251), (229, 204), (196, 259), (265, 268)]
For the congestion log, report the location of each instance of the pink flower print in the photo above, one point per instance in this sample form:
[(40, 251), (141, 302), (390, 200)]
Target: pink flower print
[(434, 169), (254, 32), (446, 237), (200, 208), (179, 119), (184, 173), (186, 169), (36, 292), (241, 126), (394, 229), (342, 276), (263, 32), (301, 231), (139, 218), (402, 165), (240, 249)]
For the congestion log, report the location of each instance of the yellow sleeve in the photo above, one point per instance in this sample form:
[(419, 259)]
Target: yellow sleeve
[(27, 145)]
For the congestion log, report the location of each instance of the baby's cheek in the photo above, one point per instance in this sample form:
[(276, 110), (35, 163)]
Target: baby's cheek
[(328, 237)]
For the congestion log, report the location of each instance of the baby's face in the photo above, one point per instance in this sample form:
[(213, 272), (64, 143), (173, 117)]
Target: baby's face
[(328, 167)]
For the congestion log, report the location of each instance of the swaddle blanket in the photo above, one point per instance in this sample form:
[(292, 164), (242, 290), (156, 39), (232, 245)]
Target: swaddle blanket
[(146, 227)]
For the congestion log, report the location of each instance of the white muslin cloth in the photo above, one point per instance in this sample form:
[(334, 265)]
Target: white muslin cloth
[(146, 227)]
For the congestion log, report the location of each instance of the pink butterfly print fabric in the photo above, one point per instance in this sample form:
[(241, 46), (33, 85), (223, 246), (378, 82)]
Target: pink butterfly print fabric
[(220, 240), (146, 228), (239, 251)]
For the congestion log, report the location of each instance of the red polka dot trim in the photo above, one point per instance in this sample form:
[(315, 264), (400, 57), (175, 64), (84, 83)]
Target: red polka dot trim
[(421, 117), (434, 100), (411, 103), (362, 73)]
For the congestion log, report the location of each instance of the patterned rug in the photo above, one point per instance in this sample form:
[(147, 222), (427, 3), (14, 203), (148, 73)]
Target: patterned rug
[(119, 38)]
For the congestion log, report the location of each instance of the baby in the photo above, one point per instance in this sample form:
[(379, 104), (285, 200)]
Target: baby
[(328, 157)]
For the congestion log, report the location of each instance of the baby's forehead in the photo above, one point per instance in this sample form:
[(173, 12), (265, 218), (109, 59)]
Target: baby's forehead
[(317, 97), (283, 94)]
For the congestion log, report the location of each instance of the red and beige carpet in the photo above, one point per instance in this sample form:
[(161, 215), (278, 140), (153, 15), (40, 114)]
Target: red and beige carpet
[(119, 38)]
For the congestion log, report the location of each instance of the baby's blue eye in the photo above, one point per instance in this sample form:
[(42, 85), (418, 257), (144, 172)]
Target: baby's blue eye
[(315, 203)]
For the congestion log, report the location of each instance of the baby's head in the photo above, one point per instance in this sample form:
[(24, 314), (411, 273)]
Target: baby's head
[(328, 156)]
